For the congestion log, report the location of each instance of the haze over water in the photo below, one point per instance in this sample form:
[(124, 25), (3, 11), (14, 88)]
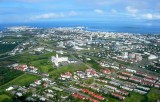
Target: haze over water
[(92, 26)]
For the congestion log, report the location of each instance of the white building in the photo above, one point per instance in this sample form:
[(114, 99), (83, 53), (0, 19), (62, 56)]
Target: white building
[(131, 70), (77, 48), (60, 52), (125, 55), (152, 57), (91, 37), (39, 49), (56, 60), (10, 88), (60, 44)]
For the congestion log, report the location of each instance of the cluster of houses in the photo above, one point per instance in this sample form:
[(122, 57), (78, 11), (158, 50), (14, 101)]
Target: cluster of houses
[(110, 65), (129, 58), (149, 80), (40, 90), (79, 74), (101, 54), (118, 86), (7, 42), (92, 86), (18, 91), (25, 68), (76, 95), (85, 93), (107, 88), (40, 50), (21, 47), (92, 94), (140, 84)]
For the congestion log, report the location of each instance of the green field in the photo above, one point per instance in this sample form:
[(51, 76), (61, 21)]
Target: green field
[(5, 98), (93, 64), (70, 68), (153, 95), (22, 80), (14, 38), (7, 74), (42, 62), (7, 47), (110, 99), (43, 65), (135, 97), (27, 57)]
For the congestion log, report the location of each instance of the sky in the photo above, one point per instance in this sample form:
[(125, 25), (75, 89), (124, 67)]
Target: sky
[(116, 11)]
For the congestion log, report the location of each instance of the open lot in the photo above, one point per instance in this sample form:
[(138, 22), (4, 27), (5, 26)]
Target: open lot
[(5, 98), (7, 75), (22, 80)]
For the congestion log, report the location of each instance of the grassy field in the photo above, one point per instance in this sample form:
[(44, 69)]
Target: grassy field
[(13, 39), (7, 74), (93, 64), (5, 98), (24, 79), (153, 95), (27, 58), (135, 97), (43, 65), (70, 68), (7, 47), (42, 62), (110, 99)]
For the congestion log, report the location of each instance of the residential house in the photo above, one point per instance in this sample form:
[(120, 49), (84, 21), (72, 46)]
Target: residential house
[(118, 95), (105, 71)]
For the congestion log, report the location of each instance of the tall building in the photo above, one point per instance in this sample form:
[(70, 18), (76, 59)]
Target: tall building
[(91, 37), (132, 55), (125, 55), (139, 57)]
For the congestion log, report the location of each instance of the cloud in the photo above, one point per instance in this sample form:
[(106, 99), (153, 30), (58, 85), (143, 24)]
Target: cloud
[(131, 10), (54, 15), (99, 11), (140, 14), (28, 1), (80, 9), (157, 16), (114, 11), (147, 16), (72, 13), (48, 16), (150, 16)]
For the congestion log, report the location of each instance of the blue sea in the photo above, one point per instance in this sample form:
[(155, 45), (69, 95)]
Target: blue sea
[(92, 26)]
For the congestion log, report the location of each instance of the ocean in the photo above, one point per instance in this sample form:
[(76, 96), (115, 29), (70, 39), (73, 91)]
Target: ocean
[(92, 26)]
